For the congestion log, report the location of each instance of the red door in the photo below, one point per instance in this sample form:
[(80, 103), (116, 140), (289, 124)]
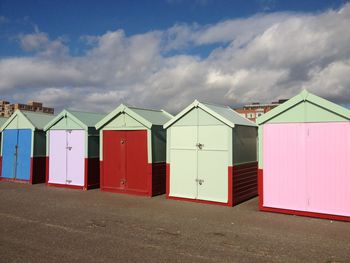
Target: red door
[(114, 168), (125, 161), (136, 162)]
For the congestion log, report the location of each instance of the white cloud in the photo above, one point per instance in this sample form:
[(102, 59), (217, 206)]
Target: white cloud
[(39, 42), (260, 58)]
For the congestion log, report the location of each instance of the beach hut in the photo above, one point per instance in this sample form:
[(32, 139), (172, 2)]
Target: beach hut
[(132, 151), (211, 155), (2, 121), (24, 147), (73, 150), (304, 158)]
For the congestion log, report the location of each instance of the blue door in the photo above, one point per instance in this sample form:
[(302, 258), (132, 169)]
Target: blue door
[(9, 153), (23, 154), (16, 154)]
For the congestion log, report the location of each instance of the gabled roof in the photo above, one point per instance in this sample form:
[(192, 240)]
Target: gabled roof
[(36, 119), (147, 117), (222, 113), (84, 119), (302, 97)]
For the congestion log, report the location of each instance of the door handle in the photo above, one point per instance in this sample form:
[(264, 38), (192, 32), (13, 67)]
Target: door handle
[(199, 181), (69, 148), (199, 146), (122, 141)]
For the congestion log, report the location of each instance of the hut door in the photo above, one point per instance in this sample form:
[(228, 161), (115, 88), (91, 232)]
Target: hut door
[(57, 157), (183, 152), (136, 157), (9, 150), (198, 156), (212, 163), (23, 152), (285, 166), (114, 163), (66, 158), (328, 168), (75, 157), (307, 167), (16, 154)]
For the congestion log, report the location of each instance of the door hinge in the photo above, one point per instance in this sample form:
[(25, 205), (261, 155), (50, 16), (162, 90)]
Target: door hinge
[(68, 181)]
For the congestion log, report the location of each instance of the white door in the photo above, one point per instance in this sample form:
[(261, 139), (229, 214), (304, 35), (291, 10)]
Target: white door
[(75, 157), (183, 168), (213, 163), (57, 156)]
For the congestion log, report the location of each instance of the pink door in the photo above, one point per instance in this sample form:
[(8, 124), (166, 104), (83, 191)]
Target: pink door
[(328, 168), (75, 157), (307, 167), (57, 157), (284, 166), (66, 157)]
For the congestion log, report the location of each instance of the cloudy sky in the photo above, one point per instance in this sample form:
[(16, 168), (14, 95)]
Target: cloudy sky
[(93, 55)]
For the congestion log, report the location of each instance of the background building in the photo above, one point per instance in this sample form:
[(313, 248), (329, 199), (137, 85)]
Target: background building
[(6, 109), (254, 110)]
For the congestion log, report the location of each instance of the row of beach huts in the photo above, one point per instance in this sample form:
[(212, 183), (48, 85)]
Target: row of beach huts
[(297, 157)]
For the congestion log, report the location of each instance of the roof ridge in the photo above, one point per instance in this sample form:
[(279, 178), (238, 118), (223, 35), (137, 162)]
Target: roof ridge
[(39, 113), (137, 108), (97, 113), (214, 104)]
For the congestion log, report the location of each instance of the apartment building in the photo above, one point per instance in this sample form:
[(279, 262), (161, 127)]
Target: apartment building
[(6, 108), (255, 110)]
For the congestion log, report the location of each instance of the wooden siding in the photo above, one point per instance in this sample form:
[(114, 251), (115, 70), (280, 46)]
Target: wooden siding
[(245, 182)]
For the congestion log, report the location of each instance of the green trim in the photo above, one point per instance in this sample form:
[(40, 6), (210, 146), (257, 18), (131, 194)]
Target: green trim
[(197, 104), (167, 114), (65, 114), (180, 114), (3, 120), (101, 145), (119, 110), (301, 98), (17, 113), (260, 147)]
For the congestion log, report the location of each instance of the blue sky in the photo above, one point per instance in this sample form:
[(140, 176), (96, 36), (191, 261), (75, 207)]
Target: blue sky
[(213, 50), (73, 19)]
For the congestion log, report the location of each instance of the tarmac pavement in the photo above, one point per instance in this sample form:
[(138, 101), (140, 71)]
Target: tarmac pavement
[(48, 224)]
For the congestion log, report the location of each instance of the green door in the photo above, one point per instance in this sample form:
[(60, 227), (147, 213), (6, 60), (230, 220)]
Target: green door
[(183, 152), (199, 158), (212, 163)]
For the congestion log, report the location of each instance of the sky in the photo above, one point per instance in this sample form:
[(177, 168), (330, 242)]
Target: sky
[(94, 55)]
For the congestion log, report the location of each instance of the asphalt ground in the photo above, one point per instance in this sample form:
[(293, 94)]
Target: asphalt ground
[(48, 224)]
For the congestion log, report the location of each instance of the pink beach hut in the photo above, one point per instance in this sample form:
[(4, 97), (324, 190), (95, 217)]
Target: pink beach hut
[(304, 158)]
